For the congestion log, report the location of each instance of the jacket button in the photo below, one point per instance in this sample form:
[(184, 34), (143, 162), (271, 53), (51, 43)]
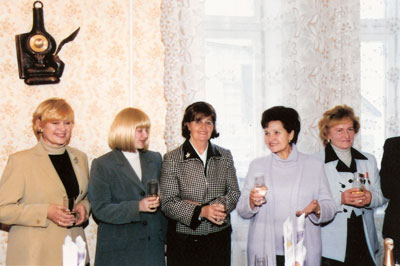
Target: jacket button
[(345, 210), (144, 223), (148, 238), (142, 193)]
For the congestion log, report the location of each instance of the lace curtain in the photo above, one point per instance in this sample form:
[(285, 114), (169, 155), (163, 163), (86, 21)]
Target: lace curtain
[(310, 62), (311, 59), (321, 62), (182, 35)]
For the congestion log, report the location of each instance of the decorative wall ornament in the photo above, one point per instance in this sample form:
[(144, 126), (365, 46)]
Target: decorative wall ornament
[(36, 62)]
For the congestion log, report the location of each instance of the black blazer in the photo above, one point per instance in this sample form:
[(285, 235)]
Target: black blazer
[(390, 182), (126, 236)]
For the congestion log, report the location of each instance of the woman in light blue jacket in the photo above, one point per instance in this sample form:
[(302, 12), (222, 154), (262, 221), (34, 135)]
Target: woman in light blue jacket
[(351, 238)]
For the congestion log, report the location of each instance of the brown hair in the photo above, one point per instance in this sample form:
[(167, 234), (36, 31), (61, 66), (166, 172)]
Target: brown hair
[(335, 116)]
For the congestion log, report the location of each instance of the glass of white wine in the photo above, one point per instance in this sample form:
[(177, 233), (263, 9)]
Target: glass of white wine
[(259, 185), (358, 182), (260, 261)]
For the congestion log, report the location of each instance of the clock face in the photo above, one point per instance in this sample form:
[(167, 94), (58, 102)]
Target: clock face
[(38, 43)]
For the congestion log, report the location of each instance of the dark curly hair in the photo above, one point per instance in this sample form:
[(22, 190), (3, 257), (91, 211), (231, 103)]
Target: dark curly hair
[(288, 116)]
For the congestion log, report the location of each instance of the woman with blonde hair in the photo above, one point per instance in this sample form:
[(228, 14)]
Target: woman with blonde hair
[(353, 176), (37, 185), (131, 229)]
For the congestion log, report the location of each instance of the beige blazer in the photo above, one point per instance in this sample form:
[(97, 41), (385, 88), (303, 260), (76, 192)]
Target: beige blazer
[(28, 185)]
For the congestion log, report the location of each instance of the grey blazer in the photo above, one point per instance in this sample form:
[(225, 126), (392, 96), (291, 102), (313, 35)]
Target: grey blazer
[(126, 236)]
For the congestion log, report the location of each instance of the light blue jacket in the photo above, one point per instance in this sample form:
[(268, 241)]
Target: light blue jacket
[(334, 234)]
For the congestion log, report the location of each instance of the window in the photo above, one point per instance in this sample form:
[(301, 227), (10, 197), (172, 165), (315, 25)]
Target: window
[(379, 26), (233, 64)]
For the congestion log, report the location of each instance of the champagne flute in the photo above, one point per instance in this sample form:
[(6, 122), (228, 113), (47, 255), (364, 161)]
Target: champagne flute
[(260, 186), (69, 204)]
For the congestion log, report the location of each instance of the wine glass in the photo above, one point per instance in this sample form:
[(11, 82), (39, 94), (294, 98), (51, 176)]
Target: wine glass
[(260, 261), (222, 201), (152, 188), (260, 186), (69, 204), (358, 182)]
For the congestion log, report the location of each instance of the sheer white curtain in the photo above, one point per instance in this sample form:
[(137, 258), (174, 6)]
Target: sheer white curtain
[(183, 37)]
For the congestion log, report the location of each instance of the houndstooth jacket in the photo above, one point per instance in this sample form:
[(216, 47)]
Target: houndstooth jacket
[(184, 178)]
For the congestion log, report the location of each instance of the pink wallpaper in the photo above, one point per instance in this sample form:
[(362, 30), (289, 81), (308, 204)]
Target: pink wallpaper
[(115, 61)]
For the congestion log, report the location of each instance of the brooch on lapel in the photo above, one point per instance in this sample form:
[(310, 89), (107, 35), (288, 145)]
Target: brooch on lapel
[(187, 155), (367, 177), (76, 160)]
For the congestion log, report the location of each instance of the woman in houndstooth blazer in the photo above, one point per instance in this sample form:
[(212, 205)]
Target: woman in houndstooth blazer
[(198, 191)]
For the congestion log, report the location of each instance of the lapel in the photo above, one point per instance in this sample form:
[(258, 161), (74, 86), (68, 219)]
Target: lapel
[(330, 156), (47, 167), (126, 169), (78, 168), (145, 164)]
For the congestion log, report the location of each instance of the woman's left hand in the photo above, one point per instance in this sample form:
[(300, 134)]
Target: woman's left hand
[(215, 213), (365, 199), (313, 207), (81, 211)]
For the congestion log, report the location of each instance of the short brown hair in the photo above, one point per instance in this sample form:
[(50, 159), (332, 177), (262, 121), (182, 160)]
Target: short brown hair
[(49, 110), (335, 116), (123, 128), (196, 111)]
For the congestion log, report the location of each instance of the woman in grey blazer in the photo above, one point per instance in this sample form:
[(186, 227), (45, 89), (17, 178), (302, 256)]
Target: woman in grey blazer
[(198, 191), (131, 228), (351, 238)]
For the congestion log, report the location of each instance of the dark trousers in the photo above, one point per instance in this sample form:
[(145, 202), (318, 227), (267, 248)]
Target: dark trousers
[(357, 252), (209, 250), (280, 260)]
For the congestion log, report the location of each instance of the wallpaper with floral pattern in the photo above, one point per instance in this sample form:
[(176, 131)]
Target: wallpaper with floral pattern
[(115, 61)]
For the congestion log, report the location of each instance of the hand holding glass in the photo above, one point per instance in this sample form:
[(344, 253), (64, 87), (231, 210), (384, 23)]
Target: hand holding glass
[(69, 204), (222, 201), (260, 186), (358, 182), (152, 188)]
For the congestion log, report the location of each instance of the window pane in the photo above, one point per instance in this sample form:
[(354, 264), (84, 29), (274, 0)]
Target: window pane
[(230, 8), (230, 89), (373, 93), (372, 9)]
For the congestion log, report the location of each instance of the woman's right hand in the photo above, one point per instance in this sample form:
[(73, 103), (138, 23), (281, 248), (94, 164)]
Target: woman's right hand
[(60, 215), (215, 213), (256, 199), (149, 204)]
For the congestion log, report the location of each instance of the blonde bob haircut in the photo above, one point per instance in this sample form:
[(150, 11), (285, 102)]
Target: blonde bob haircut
[(335, 116), (123, 129), (50, 110)]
